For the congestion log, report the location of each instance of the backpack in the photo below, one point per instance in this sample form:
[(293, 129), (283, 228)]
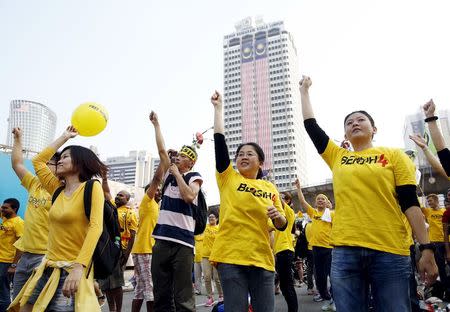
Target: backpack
[(108, 250), (199, 212)]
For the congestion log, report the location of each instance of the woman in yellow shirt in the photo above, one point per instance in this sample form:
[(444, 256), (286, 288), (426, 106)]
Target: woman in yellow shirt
[(322, 220), (242, 249), (209, 271), (375, 193), (60, 282)]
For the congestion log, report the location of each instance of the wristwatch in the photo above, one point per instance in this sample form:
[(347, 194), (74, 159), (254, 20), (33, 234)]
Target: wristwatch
[(429, 246), (13, 265)]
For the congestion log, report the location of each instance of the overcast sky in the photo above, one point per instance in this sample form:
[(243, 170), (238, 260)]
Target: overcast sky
[(387, 57)]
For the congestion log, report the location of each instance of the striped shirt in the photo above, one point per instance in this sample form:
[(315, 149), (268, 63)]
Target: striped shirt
[(175, 221)]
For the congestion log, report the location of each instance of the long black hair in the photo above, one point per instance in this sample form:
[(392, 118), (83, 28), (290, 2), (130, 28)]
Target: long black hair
[(86, 162)]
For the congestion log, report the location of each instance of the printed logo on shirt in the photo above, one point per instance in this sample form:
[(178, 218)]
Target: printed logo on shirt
[(36, 202), (257, 193), (436, 216), (351, 160)]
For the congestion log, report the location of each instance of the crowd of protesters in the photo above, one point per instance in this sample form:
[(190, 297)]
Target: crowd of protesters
[(359, 252)]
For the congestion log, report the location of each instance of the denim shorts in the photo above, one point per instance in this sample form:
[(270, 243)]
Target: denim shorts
[(59, 302)]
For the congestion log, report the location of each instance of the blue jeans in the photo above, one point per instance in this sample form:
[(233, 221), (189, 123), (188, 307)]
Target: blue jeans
[(355, 269), (239, 280), (5, 288)]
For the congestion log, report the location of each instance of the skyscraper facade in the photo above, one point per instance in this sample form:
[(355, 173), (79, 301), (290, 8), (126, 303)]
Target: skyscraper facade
[(37, 121), (261, 98), (134, 169)]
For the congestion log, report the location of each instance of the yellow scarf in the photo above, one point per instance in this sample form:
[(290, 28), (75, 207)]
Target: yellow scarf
[(85, 298)]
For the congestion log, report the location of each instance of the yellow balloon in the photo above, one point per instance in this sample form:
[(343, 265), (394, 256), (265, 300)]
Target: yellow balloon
[(89, 118)]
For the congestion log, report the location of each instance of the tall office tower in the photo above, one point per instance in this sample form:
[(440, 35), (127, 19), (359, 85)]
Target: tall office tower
[(261, 98), (414, 124), (37, 121), (134, 169)]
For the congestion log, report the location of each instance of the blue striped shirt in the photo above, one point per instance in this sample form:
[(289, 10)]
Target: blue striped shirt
[(175, 221)]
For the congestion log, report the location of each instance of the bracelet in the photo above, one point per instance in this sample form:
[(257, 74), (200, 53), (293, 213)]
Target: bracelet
[(432, 118)]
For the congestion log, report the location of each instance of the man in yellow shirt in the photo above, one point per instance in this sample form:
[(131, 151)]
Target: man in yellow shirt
[(35, 236), (112, 286), (434, 218), (11, 229)]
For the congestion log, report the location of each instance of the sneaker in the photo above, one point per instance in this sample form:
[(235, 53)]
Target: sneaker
[(197, 292), (310, 292), (209, 302), (220, 298), (317, 298), (328, 306)]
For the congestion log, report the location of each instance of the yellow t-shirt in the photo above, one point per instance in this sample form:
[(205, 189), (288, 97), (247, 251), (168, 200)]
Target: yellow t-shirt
[(198, 248), (208, 239), (367, 210), (309, 233), (322, 229), (299, 214), (243, 237), (71, 237), (283, 240), (10, 231), (35, 236), (128, 222), (148, 215), (434, 219)]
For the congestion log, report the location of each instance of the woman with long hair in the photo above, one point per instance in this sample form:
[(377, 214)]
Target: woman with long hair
[(376, 201), (242, 248), (61, 283)]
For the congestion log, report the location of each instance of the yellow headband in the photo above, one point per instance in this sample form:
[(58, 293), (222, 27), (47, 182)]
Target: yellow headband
[(188, 152)]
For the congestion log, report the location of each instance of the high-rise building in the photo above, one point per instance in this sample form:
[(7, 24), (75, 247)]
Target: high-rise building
[(134, 169), (414, 124), (37, 121), (261, 98)]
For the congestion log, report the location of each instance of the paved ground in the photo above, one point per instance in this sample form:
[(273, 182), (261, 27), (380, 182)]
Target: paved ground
[(305, 302)]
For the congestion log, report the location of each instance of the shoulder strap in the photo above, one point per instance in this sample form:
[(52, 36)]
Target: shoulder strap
[(88, 198), (57, 192)]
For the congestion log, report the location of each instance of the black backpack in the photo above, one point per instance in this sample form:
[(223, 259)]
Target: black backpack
[(199, 212), (108, 250)]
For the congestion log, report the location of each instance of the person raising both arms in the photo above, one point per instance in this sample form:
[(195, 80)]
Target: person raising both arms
[(375, 190), (60, 282), (242, 248)]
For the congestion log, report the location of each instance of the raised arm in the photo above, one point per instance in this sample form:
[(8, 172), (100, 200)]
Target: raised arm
[(48, 180), (317, 135), (307, 110), (436, 135), (301, 198), (105, 187), (220, 146), (432, 160), (17, 156), (163, 156)]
